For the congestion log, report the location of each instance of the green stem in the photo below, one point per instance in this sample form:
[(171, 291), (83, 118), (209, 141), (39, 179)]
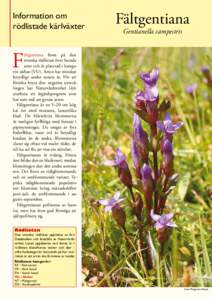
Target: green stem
[(162, 201), (128, 240), (161, 250), (132, 194)]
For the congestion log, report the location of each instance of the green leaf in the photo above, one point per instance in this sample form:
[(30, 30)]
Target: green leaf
[(183, 185)]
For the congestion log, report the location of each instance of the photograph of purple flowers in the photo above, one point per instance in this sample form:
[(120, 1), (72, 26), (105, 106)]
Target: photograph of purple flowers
[(147, 152)]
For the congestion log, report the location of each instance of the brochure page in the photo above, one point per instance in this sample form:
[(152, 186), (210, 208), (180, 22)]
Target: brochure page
[(106, 149)]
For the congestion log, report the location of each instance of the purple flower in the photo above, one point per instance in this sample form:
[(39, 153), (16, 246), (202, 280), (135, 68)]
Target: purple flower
[(147, 99), (163, 221), (140, 101), (205, 70), (118, 159), (150, 78), (140, 138), (207, 75), (123, 169), (148, 187), (112, 205), (149, 94), (147, 182), (152, 111), (146, 172), (167, 126), (167, 147), (112, 202), (190, 89), (137, 128), (167, 162)]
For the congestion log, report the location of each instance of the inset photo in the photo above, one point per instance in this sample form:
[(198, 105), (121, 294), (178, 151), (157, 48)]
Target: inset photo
[(147, 150)]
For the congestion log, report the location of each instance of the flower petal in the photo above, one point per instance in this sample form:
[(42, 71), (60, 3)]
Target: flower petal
[(166, 218), (111, 163), (119, 200), (178, 125), (158, 225), (160, 125), (150, 78), (190, 89), (170, 129), (136, 120), (146, 171), (116, 196), (104, 201), (108, 208), (119, 157), (155, 217), (167, 117), (171, 224), (152, 93), (141, 96)]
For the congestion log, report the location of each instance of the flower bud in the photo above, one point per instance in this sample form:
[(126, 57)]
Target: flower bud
[(141, 138), (152, 111), (147, 182), (136, 158), (140, 102), (205, 70), (149, 99), (124, 174), (148, 188), (137, 206), (167, 162), (207, 75), (119, 215)]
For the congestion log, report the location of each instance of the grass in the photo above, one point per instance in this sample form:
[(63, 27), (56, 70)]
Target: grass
[(110, 80)]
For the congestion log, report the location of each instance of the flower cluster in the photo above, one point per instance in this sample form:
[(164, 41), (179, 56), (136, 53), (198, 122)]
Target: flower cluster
[(146, 101), (152, 157)]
